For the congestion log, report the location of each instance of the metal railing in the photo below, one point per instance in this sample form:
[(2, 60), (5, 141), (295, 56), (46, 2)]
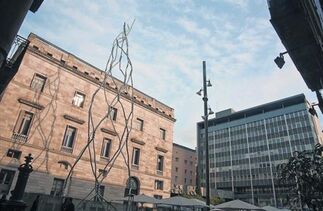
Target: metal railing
[(159, 172), (19, 137), (18, 47)]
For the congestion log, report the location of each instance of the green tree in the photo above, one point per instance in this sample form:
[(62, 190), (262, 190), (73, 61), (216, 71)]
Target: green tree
[(303, 173), (216, 200), (196, 196)]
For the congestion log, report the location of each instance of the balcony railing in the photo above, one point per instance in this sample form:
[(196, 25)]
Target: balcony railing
[(18, 47), (159, 172), (66, 149), (19, 137)]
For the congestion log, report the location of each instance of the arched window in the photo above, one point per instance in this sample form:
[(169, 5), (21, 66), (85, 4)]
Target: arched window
[(132, 187)]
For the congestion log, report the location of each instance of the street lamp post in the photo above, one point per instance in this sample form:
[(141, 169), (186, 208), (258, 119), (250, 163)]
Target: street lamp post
[(207, 112)]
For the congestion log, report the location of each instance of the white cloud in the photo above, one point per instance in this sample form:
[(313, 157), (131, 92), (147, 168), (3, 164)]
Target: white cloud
[(240, 3), (193, 27), (168, 43)]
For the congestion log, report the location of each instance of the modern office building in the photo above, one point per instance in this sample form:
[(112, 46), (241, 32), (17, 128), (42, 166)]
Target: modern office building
[(183, 170), (246, 146), (44, 111)]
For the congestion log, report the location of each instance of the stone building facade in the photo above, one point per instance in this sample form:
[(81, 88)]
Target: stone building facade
[(183, 170), (44, 111)]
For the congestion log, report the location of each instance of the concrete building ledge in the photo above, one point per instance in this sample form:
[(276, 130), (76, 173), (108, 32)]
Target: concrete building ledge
[(31, 104), (74, 119)]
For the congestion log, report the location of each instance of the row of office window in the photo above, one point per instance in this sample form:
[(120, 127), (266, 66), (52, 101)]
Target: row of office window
[(25, 118), (185, 181), (38, 84), (185, 171), (276, 124), (58, 186), (69, 140), (24, 124), (7, 176), (277, 137), (136, 160), (185, 161)]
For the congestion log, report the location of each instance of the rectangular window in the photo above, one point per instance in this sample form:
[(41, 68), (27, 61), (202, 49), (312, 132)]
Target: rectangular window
[(162, 133), (159, 185), (158, 196), (57, 188), (176, 159), (69, 137), (112, 113), (103, 172), (38, 82), (78, 99), (6, 178), (140, 124), (160, 163), (135, 156), (14, 153), (101, 190), (106, 145), (24, 123), (176, 169)]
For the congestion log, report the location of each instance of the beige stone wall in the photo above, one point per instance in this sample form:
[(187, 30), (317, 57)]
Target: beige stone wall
[(185, 160), (48, 126)]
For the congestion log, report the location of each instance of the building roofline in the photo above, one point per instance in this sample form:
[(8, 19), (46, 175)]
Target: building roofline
[(94, 67), (184, 147), (271, 106)]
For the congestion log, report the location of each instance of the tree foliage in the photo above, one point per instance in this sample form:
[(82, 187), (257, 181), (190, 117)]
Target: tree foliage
[(303, 173), (216, 200), (196, 196)]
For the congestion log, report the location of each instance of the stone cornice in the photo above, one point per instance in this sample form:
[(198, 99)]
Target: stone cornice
[(112, 89), (137, 141), (31, 104), (161, 149), (73, 119), (108, 131)]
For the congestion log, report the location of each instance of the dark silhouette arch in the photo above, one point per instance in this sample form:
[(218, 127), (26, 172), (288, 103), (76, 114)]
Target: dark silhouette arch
[(132, 186)]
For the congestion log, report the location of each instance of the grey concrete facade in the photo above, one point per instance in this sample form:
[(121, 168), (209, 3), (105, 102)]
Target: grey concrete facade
[(246, 147)]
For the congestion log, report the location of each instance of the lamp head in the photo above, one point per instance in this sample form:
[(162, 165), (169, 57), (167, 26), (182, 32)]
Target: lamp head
[(209, 83), (320, 100), (210, 111), (312, 111), (280, 61), (199, 92)]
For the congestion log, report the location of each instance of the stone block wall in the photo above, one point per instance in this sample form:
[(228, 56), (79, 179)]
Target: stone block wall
[(53, 110)]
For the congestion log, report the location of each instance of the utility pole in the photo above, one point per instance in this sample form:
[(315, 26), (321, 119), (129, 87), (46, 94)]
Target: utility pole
[(207, 112), (206, 115)]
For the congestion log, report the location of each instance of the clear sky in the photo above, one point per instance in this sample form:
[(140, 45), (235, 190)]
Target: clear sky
[(168, 43)]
